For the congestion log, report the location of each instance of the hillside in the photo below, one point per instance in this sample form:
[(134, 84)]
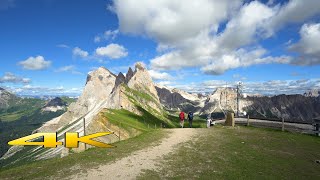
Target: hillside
[(21, 116), (215, 153), (127, 105)]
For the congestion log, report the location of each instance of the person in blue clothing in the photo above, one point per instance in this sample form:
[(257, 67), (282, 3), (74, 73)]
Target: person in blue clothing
[(190, 118)]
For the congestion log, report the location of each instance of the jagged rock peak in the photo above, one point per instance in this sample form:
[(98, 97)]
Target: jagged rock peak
[(120, 79), (312, 93), (140, 66), (98, 72), (129, 75)]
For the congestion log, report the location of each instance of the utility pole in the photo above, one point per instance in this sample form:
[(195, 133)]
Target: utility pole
[(238, 96), (226, 96)]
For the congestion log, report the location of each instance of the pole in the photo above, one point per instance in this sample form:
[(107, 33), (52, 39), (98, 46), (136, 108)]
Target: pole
[(84, 132), (238, 100), (248, 121), (282, 124), (119, 132), (226, 96), (120, 99)]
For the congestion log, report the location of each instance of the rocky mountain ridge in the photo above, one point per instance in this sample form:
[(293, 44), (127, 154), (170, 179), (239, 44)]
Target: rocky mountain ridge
[(134, 93), (294, 108)]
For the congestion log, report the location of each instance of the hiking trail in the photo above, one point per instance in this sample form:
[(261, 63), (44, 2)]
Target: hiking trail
[(145, 159)]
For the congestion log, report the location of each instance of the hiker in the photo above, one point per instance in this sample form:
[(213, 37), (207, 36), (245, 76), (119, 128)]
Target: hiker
[(181, 117), (208, 120), (190, 118)]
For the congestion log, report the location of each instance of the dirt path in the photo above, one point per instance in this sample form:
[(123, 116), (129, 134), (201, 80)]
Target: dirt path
[(130, 167)]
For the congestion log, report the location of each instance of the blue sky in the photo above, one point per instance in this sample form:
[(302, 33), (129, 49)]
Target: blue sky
[(48, 47)]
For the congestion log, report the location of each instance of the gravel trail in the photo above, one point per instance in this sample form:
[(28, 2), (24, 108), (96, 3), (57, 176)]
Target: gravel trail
[(130, 167)]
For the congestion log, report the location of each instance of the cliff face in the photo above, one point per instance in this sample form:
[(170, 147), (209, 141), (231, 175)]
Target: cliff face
[(174, 99), (294, 108), (7, 99), (103, 91)]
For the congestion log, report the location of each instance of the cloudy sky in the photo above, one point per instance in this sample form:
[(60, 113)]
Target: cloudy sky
[(49, 46)]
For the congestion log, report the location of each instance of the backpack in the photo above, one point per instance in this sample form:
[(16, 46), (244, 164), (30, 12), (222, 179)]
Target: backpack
[(181, 115), (191, 116)]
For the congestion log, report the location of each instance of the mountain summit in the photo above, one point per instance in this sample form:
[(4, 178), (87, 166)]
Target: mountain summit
[(103, 91)]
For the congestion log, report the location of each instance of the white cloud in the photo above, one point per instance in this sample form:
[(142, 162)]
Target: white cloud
[(170, 21), (308, 46), (188, 40), (295, 11), (109, 34), (113, 51), (79, 52), (71, 68), (271, 87), (156, 75), (246, 26), (12, 78), (164, 83), (35, 63), (41, 90), (63, 46), (242, 58)]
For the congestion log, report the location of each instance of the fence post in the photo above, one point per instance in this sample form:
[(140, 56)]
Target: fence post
[(119, 132), (282, 124), (84, 132), (248, 121)]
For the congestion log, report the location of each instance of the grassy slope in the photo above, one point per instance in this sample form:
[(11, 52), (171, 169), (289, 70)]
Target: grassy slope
[(21, 118), (242, 153), (62, 167), (22, 127), (20, 108)]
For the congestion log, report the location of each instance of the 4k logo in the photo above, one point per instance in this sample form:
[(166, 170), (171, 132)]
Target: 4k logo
[(50, 140)]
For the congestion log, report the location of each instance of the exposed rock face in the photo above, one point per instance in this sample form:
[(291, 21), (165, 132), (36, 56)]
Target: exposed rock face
[(129, 75), (55, 105), (56, 102), (179, 100), (120, 79), (103, 91), (312, 93), (141, 81), (6, 98), (294, 108)]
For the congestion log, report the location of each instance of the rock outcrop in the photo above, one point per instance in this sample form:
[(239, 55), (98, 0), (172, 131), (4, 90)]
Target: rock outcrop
[(54, 105), (103, 91), (175, 99)]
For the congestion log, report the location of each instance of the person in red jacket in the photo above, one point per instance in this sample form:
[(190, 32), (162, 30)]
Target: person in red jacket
[(181, 117)]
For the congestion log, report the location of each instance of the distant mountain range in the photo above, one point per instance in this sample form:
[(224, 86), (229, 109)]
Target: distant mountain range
[(294, 108), (21, 116)]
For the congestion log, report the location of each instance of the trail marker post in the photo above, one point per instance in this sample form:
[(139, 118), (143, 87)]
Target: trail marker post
[(84, 131)]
